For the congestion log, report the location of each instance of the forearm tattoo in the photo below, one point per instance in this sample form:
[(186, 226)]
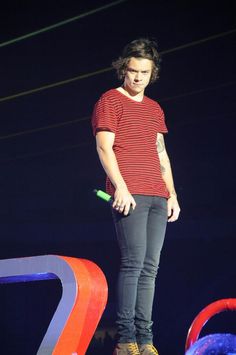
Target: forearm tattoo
[(160, 143), (163, 169)]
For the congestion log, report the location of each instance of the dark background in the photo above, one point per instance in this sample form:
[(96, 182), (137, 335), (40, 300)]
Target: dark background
[(49, 165)]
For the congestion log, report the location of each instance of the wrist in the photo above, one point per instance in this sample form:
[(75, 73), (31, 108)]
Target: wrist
[(120, 186), (172, 194)]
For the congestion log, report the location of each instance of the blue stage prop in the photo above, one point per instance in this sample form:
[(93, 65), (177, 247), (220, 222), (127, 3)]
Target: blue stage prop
[(214, 344)]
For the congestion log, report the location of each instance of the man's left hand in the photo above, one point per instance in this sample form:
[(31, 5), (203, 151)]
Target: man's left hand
[(173, 208)]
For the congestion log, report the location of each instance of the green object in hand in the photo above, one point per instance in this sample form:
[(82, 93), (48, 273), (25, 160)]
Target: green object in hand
[(106, 197), (103, 195)]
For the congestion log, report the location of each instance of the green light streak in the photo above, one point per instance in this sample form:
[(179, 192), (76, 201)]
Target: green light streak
[(61, 23)]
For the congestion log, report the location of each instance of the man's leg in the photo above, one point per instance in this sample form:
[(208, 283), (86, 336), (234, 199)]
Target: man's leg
[(131, 235), (156, 227)]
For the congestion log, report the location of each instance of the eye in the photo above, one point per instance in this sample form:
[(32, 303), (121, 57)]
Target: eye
[(130, 70)]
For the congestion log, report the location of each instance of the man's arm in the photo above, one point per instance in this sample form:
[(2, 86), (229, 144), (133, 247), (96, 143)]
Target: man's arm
[(122, 197), (172, 204)]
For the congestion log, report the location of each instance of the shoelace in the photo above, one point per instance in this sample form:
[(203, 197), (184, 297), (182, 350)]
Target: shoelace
[(133, 349), (151, 348)]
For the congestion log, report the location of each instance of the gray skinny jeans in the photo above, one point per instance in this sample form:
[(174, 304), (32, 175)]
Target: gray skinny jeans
[(140, 237)]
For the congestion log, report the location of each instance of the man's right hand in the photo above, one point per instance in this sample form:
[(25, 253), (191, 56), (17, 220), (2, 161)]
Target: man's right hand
[(123, 201)]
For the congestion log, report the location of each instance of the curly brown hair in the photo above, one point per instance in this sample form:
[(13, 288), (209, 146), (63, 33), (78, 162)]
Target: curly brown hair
[(139, 48)]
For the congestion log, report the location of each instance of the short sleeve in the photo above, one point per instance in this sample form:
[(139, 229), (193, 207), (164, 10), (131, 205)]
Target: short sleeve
[(162, 128), (105, 115)]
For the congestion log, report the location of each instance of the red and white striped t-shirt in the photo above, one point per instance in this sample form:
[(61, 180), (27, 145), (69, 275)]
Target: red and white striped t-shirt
[(135, 125)]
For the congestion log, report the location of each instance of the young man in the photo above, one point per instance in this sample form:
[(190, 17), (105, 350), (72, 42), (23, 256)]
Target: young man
[(129, 130)]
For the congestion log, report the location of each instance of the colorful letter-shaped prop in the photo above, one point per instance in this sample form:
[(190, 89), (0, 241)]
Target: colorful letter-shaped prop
[(84, 297)]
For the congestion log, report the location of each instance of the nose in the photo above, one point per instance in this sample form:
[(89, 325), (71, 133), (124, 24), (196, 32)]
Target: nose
[(138, 76)]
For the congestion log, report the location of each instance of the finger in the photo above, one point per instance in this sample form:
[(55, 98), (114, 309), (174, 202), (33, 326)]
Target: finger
[(133, 203), (121, 208), (170, 212), (171, 219), (126, 209), (174, 216), (117, 203)]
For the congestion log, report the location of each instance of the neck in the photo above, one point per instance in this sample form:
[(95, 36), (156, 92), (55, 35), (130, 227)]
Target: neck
[(133, 95)]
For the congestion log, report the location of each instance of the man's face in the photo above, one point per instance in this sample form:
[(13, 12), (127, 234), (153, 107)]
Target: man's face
[(138, 74)]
